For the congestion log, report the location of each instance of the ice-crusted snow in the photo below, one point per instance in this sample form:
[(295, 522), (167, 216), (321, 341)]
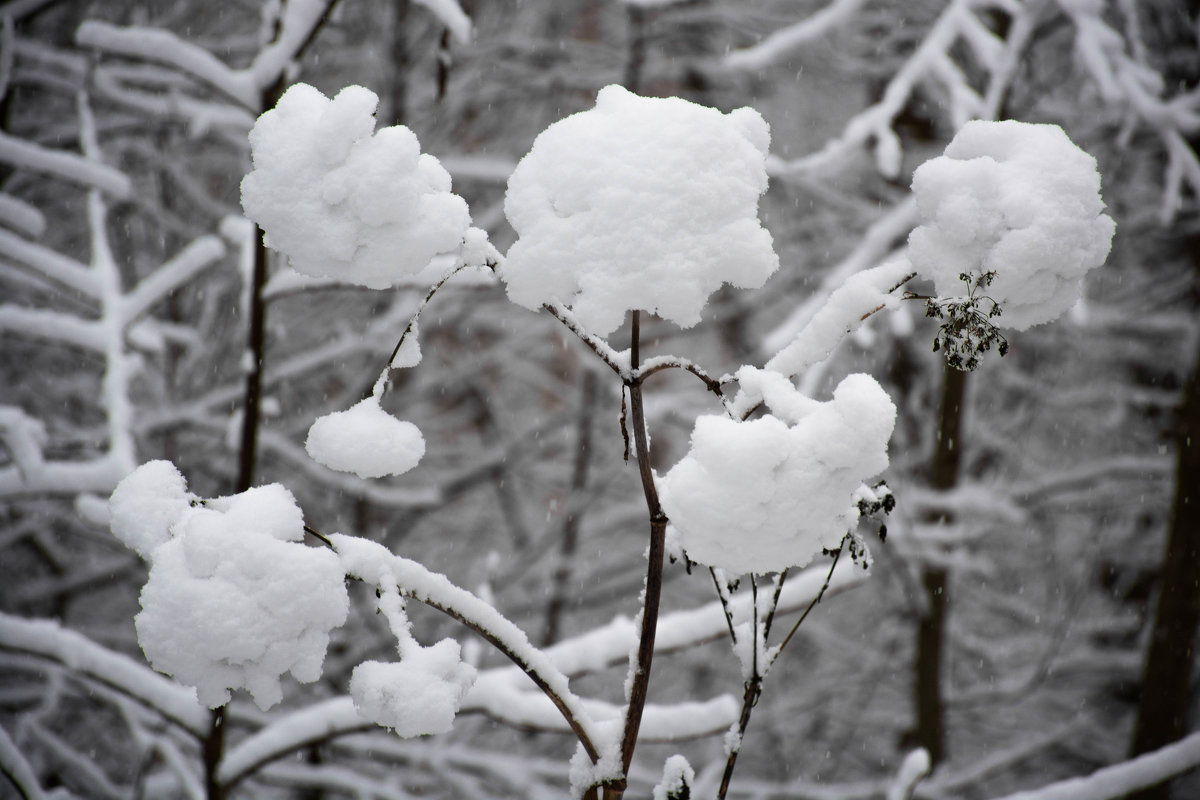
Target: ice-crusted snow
[(770, 493), (234, 598), (366, 440), (639, 203), (343, 202), (1021, 200)]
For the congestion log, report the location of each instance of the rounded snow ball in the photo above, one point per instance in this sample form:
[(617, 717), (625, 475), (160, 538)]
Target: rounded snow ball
[(146, 504), (761, 496), (345, 202), (419, 695), (1017, 199), (639, 203), (366, 440)]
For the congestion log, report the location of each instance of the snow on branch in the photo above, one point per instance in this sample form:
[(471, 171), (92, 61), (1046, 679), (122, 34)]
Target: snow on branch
[(181, 268), (376, 565), (56, 267), (82, 656), (163, 47), (1120, 780), (16, 769), (450, 14), (782, 43), (62, 164), (1123, 79), (20, 215), (931, 60)]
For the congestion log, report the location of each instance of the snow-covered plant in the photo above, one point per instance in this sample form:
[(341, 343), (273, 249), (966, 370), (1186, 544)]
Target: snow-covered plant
[(1019, 201), (234, 598), (638, 205)]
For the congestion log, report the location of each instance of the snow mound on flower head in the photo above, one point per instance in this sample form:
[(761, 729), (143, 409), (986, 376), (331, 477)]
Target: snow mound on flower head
[(366, 440), (234, 598), (1017, 199), (343, 202), (417, 696), (763, 495), (145, 505), (639, 203)]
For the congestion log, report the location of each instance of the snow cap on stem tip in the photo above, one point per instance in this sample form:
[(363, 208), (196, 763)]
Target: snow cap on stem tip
[(366, 440), (343, 201), (772, 493), (1017, 199), (639, 203)]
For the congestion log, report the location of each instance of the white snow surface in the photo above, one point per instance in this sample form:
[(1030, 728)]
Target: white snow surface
[(366, 440), (234, 598), (418, 695), (770, 493), (639, 203), (677, 773), (1021, 200), (343, 202)]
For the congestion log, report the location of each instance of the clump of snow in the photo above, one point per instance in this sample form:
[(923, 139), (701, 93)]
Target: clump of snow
[(234, 598), (408, 354), (146, 503), (771, 493), (365, 440), (419, 695), (639, 203), (343, 202), (678, 778), (1017, 199)]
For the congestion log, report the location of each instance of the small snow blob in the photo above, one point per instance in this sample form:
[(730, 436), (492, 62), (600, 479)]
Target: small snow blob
[(343, 202), (145, 505), (771, 493), (234, 598), (417, 696), (639, 203), (1017, 199), (366, 440)]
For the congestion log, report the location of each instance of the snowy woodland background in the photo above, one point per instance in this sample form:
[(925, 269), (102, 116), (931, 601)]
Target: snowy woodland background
[(1008, 619)]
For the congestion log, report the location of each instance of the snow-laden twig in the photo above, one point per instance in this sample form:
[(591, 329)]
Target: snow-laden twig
[(782, 43), (376, 565), (95, 662), (17, 770), (618, 362), (1122, 779), (84, 171)]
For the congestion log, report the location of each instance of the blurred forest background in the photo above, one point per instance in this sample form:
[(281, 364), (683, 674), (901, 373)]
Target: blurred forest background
[(1032, 613)]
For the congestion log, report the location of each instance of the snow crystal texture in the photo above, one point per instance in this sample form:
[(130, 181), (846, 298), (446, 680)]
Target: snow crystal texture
[(1017, 199), (366, 440), (639, 203), (418, 695), (343, 202), (771, 493), (234, 598)]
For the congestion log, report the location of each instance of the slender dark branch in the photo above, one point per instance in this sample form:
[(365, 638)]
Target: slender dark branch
[(654, 567), (724, 598), (659, 365), (779, 580), (750, 694), (815, 600), (594, 343), (322, 537), (412, 323)]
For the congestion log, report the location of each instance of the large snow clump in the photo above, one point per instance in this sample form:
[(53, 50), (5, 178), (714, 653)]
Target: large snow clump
[(234, 598), (1017, 199), (343, 202), (771, 493), (639, 203), (366, 440)]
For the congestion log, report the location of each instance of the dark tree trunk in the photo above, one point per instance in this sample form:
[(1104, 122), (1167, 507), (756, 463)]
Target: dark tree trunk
[(931, 632)]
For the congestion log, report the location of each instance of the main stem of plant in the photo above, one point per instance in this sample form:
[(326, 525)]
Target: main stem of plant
[(654, 569)]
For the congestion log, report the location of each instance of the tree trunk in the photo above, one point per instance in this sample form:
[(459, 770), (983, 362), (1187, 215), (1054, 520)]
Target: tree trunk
[(931, 633)]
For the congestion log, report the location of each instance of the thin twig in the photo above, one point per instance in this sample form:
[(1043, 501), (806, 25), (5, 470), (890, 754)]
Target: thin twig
[(815, 600), (594, 343), (723, 595)]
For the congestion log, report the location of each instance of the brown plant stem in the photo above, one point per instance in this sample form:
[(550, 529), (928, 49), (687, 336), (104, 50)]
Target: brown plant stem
[(654, 568)]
